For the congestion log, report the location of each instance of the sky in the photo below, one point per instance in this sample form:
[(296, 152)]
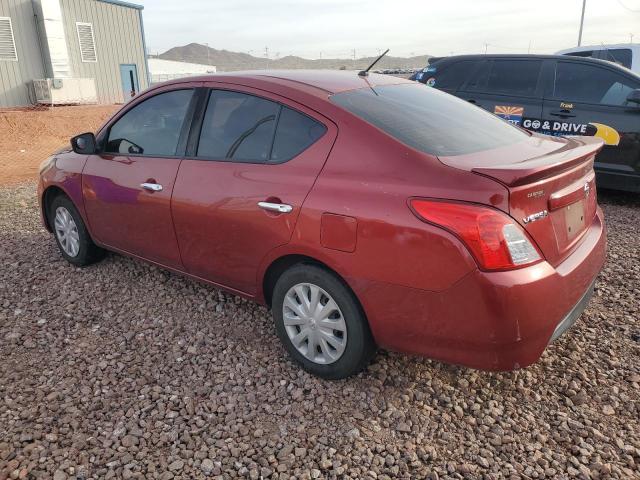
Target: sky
[(335, 28)]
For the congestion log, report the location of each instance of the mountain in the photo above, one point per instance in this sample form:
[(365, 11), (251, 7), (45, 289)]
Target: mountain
[(225, 60)]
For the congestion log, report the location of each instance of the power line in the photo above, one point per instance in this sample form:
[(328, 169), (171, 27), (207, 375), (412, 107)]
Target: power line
[(627, 8)]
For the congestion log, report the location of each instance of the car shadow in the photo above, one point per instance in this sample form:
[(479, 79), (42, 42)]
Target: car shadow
[(616, 197)]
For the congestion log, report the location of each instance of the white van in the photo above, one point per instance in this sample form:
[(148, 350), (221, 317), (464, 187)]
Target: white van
[(625, 54)]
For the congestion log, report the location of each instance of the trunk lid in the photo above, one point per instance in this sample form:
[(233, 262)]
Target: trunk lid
[(551, 186)]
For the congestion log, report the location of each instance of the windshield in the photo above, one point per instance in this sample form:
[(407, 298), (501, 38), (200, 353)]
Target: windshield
[(429, 120)]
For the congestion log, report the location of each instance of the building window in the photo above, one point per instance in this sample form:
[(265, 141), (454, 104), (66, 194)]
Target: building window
[(7, 41), (87, 42)]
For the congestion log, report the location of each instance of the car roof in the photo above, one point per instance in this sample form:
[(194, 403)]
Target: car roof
[(520, 55), (324, 81), (602, 47), (564, 58)]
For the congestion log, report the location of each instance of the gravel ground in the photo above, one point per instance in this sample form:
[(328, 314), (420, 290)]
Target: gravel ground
[(124, 370)]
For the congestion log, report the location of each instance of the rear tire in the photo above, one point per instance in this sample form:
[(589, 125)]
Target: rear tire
[(320, 323), (71, 234)]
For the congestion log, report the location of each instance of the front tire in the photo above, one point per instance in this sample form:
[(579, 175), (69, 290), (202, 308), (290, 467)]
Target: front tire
[(320, 323), (71, 234)]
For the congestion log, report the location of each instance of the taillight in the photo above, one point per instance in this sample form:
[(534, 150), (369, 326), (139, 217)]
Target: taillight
[(493, 238)]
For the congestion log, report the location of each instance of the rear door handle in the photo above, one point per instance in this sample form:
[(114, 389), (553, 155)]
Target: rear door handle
[(275, 207), (152, 187), (562, 114)]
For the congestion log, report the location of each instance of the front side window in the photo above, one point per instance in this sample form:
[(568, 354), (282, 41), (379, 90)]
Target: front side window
[(152, 127), (576, 82), (246, 128), (514, 77), (429, 120)]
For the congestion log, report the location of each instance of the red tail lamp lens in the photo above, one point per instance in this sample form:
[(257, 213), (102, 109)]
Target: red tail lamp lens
[(495, 240)]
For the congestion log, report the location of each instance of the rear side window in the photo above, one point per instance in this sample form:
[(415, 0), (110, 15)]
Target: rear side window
[(577, 82), (514, 77), (237, 126), (451, 76), (246, 128), (585, 54), (152, 127), (621, 56), (295, 132), (429, 120)]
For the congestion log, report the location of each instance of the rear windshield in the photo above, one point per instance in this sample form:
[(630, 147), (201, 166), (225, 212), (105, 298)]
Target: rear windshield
[(428, 120)]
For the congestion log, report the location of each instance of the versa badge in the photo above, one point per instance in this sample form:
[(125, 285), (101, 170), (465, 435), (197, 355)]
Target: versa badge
[(535, 216)]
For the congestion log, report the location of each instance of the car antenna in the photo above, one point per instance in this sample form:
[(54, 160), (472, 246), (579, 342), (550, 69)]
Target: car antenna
[(365, 73)]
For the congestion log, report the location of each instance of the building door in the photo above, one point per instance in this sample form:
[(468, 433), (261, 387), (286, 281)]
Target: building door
[(129, 78)]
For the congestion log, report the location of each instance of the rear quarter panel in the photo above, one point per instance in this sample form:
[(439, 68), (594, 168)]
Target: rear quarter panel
[(370, 177)]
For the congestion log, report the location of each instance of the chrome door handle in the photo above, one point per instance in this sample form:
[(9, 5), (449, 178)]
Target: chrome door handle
[(152, 187), (275, 207)]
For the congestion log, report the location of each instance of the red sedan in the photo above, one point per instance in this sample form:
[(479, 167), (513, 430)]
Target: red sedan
[(365, 211)]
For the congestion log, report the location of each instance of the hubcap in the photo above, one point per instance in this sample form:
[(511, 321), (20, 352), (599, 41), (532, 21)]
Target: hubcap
[(67, 232), (314, 323)]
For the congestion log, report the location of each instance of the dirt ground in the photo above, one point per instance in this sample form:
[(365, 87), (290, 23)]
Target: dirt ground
[(28, 136)]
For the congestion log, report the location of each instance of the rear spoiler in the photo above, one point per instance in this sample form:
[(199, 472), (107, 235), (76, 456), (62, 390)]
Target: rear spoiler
[(431, 60), (577, 151)]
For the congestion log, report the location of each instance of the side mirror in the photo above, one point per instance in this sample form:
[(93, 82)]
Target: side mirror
[(84, 144), (634, 96)]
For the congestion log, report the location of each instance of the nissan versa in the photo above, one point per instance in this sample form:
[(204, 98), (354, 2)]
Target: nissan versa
[(366, 211)]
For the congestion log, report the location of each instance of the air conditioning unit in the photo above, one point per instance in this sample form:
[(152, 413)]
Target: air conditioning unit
[(65, 91)]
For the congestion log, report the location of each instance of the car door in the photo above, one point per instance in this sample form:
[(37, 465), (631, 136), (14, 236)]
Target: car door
[(591, 99), (127, 186), (509, 88), (252, 159)]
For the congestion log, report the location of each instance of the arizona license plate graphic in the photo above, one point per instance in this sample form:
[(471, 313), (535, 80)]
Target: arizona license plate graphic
[(509, 113)]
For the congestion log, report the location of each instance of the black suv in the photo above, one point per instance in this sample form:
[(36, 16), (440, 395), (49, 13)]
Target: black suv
[(555, 95)]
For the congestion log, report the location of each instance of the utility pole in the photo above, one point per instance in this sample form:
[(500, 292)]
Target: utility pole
[(529, 49), (208, 61), (631, 39), (266, 55), (486, 45), (584, 4)]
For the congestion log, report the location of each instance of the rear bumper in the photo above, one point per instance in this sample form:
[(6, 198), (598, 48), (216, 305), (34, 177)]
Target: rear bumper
[(568, 321), (488, 320)]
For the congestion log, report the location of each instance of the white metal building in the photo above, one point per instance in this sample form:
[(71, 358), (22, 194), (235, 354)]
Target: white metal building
[(71, 51), (162, 70)]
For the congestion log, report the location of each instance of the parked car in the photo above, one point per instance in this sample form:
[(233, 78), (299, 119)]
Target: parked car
[(555, 95), (625, 54), (365, 212)]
